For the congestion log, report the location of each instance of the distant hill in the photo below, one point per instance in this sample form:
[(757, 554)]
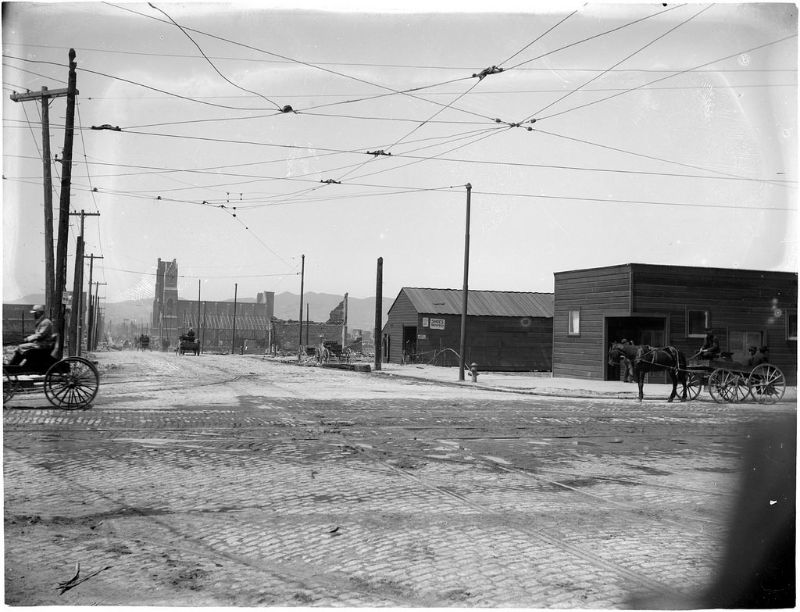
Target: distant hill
[(361, 311)]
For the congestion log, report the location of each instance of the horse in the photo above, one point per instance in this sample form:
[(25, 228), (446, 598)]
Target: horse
[(648, 359)]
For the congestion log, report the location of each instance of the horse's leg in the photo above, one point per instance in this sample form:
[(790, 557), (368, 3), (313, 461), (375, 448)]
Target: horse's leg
[(674, 377), (638, 373)]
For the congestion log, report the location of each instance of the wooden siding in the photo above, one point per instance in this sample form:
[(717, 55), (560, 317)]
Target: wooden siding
[(494, 343), (402, 313), (595, 293), (738, 300)]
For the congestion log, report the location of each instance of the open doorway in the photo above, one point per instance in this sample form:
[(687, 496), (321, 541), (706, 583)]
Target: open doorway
[(409, 344), (639, 330)]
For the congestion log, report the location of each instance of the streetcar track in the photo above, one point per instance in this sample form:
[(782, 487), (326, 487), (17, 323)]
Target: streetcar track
[(552, 540), (290, 571)]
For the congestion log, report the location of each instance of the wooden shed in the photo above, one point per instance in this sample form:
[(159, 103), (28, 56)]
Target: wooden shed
[(506, 330), (661, 305)]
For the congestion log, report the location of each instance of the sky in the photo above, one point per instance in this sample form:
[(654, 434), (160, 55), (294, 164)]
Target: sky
[(651, 133)]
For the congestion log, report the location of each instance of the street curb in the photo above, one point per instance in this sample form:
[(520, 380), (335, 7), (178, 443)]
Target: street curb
[(579, 394)]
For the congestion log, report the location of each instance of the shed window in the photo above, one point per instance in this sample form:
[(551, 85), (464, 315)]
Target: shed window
[(574, 322), (696, 323), (791, 324)]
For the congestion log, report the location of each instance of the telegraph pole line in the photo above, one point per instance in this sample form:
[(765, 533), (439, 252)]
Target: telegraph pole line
[(49, 269), (63, 216), (76, 316), (93, 314), (92, 257)]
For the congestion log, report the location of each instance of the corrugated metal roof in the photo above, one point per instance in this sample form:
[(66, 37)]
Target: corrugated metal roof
[(481, 303)]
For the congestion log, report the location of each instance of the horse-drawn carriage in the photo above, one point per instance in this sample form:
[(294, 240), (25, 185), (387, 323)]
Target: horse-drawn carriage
[(68, 383), (144, 342), (329, 349), (188, 344), (726, 380), (733, 382)]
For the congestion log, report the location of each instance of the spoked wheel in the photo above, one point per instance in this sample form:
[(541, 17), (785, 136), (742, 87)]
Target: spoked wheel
[(9, 387), (694, 384), (767, 383), (736, 388), (71, 383), (726, 386)]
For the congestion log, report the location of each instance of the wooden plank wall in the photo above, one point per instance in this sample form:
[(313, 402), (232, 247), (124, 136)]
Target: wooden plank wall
[(595, 293), (521, 344), (741, 300), (401, 313)]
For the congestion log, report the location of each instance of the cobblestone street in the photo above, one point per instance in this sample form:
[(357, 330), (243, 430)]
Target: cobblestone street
[(231, 480)]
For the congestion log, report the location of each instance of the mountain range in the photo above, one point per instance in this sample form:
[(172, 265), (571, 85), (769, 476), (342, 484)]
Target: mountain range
[(360, 311)]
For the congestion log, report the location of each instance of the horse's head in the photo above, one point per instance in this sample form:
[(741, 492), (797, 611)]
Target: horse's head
[(615, 352)]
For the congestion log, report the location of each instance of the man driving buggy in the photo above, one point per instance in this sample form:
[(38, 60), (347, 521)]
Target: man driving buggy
[(42, 339), (710, 348)]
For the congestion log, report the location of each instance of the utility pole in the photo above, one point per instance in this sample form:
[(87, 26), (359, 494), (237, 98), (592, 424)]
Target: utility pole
[(76, 316), (344, 321), (49, 273), (302, 279), (465, 293), (378, 313), (198, 308), (63, 215), (94, 317), (233, 340), (89, 334)]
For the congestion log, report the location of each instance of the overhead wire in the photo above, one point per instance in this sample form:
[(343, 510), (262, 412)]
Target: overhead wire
[(308, 64), (678, 73), (622, 61), (217, 70), (371, 64), (595, 36)]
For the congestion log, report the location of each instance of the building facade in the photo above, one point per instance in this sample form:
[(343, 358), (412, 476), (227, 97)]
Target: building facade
[(671, 305), (506, 331), (164, 323)]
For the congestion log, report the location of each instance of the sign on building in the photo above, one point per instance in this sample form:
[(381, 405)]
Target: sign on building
[(437, 323)]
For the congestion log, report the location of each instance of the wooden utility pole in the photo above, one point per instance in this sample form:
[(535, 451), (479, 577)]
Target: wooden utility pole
[(63, 214), (302, 279), (49, 268), (76, 316), (344, 322), (233, 340), (464, 297), (94, 317), (378, 313), (89, 334)]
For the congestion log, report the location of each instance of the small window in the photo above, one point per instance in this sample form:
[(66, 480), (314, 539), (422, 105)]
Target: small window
[(696, 323), (574, 322), (791, 324)]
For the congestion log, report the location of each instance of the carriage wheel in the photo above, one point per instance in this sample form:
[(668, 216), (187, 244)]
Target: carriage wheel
[(9, 387), (736, 387), (717, 383), (71, 383), (694, 384), (767, 383)]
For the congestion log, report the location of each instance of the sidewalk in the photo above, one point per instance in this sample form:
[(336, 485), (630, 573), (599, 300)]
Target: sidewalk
[(541, 383)]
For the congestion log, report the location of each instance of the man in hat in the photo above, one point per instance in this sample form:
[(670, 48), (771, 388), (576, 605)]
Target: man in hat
[(40, 340), (710, 348)]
